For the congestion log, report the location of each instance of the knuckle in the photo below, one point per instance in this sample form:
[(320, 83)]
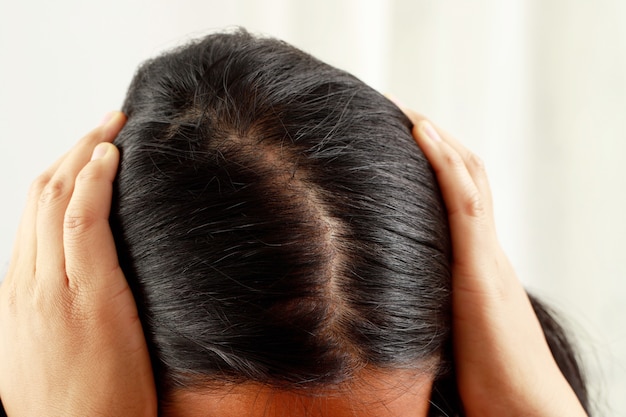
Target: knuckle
[(90, 173), (473, 205), (55, 190), (37, 186), (78, 221), (453, 161), (475, 162)]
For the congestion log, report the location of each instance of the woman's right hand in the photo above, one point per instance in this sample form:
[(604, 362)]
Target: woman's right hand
[(71, 343), (503, 363)]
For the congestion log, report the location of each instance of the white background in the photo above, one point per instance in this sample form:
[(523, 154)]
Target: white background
[(537, 88)]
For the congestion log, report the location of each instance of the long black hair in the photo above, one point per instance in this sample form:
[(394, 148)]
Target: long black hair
[(278, 224)]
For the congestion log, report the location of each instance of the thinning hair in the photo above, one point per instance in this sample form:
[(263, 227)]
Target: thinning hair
[(277, 223)]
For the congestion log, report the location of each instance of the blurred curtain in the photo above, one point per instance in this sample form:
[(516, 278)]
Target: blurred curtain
[(538, 89)]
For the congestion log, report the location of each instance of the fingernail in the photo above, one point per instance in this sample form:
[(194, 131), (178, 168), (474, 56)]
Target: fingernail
[(429, 131), (99, 151)]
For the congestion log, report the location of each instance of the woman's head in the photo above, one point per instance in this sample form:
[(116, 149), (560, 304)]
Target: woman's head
[(277, 223)]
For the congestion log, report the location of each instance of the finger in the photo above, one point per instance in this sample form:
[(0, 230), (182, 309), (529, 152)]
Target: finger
[(23, 260), (471, 224), (91, 257), (474, 164), (459, 190), (56, 195), (25, 247)]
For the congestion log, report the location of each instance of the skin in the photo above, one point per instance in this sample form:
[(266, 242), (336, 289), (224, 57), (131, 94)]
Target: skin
[(71, 343), (372, 393), (503, 362)]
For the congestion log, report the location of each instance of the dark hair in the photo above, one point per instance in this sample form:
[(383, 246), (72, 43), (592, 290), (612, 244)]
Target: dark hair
[(278, 224)]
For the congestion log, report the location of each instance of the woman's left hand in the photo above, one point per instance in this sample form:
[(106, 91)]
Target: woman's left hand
[(71, 343), (503, 363)]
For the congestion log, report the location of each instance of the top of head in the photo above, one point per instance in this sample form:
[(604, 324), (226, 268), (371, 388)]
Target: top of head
[(276, 221)]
